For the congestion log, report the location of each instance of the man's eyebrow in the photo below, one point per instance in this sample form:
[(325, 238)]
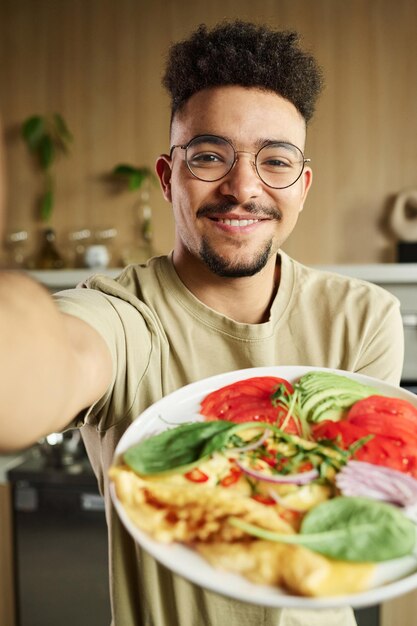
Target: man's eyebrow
[(209, 138), (261, 143), (267, 141)]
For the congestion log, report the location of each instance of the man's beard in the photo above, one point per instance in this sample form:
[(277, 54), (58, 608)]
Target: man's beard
[(224, 267)]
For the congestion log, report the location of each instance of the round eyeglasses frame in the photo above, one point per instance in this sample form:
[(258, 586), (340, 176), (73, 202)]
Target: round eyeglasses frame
[(236, 153)]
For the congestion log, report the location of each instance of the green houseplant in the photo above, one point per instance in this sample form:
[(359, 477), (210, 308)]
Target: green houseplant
[(134, 176), (137, 179), (46, 137)]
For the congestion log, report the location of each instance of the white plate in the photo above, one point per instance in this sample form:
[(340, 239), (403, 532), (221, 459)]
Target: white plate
[(393, 578)]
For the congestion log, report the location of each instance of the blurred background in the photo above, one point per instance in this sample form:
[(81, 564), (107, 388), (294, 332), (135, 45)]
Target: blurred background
[(98, 65)]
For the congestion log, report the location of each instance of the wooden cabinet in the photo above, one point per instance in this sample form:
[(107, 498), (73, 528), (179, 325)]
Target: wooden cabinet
[(401, 611), (7, 601)]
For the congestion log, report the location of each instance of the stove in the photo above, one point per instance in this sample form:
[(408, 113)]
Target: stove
[(60, 544)]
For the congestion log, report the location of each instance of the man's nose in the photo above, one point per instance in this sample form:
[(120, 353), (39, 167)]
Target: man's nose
[(242, 182)]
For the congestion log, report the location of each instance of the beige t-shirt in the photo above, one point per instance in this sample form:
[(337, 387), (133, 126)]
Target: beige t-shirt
[(161, 337)]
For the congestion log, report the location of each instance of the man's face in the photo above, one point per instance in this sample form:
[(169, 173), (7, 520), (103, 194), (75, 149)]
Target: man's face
[(236, 224)]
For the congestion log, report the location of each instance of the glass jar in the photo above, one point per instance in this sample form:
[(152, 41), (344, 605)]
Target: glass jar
[(16, 244), (49, 258), (141, 249), (78, 240)]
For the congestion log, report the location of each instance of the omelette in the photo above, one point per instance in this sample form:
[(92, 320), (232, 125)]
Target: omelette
[(194, 504)]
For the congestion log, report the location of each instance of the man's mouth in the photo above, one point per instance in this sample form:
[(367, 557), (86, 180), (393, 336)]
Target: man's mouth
[(230, 214), (235, 222)]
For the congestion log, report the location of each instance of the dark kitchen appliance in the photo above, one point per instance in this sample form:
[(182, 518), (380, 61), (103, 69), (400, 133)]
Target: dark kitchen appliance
[(60, 546), (369, 616)]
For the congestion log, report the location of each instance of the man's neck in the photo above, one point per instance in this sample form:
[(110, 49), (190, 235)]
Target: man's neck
[(246, 300)]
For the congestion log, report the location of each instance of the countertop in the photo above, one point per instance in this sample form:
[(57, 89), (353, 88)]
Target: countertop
[(380, 273), (69, 278), (8, 462)]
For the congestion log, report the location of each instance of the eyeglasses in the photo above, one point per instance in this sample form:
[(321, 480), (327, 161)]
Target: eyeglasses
[(209, 158)]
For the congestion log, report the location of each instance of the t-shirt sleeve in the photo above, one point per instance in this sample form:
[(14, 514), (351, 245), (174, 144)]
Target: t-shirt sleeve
[(382, 354), (129, 341)]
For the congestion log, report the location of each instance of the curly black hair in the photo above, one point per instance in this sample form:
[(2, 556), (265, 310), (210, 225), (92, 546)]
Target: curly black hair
[(245, 54)]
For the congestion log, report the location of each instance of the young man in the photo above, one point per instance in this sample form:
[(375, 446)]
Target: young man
[(226, 298)]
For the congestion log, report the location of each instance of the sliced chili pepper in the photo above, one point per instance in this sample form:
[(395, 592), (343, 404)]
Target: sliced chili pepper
[(291, 516), (267, 500), (196, 476), (231, 478), (271, 461), (305, 467)]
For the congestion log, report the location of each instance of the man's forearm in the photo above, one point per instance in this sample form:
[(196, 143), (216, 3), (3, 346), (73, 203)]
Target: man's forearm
[(40, 364)]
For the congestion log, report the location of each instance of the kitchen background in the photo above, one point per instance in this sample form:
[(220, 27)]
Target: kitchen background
[(98, 64)]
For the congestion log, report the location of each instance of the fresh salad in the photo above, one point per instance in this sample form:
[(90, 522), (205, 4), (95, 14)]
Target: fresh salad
[(337, 459), (327, 407)]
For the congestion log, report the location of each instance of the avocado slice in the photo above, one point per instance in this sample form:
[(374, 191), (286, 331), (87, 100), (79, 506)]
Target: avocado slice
[(327, 396)]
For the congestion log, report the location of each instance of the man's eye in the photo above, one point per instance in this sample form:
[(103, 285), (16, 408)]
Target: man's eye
[(206, 158), (276, 163)]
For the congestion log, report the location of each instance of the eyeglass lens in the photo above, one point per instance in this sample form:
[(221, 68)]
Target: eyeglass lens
[(210, 158)]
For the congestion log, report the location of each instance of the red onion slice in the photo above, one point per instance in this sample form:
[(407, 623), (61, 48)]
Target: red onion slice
[(359, 478), (288, 479)]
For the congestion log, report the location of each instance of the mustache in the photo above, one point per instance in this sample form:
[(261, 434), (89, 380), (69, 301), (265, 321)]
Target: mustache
[(222, 208)]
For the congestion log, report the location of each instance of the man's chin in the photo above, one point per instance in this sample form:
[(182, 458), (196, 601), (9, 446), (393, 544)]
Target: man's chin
[(234, 267)]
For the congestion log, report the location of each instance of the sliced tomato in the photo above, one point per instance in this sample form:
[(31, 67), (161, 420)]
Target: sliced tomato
[(392, 444), (248, 400), (385, 425), (196, 476), (382, 405)]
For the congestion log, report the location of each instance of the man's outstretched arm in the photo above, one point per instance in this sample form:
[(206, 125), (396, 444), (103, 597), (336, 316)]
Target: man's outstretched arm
[(52, 365)]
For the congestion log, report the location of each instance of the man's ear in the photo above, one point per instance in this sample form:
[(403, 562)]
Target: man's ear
[(307, 179), (163, 169)]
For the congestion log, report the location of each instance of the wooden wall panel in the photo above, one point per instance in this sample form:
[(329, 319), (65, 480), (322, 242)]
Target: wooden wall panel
[(99, 63)]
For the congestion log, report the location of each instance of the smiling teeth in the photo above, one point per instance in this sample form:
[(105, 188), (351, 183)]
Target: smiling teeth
[(238, 222)]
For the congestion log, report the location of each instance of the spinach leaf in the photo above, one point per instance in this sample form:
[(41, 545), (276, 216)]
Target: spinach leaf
[(174, 448), (351, 529), (360, 529)]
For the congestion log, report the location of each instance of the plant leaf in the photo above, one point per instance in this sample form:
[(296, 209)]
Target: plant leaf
[(136, 179), (47, 204), (62, 130), (33, 130), (124, 170), (46, 152), (61, 136), (135, 176)]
